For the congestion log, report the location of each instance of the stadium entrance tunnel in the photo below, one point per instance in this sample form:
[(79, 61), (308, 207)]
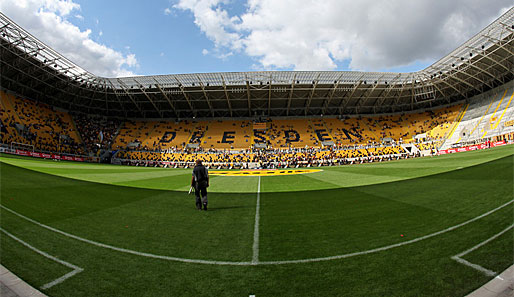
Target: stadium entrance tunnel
[(264, 172)]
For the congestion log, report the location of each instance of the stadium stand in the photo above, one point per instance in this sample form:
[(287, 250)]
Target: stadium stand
[(430, 126), (487, 116), (349, 131), (32, 123), (132, 134), (294, 142), (198, 133), (227, 135), (286, 133), (230, 143), (290, 142), (159, 135), (8, 121), (96, 132), (295, 133), (169, 135)]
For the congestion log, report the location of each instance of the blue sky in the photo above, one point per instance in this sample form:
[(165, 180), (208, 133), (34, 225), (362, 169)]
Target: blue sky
[(120, 38), (163, 44)]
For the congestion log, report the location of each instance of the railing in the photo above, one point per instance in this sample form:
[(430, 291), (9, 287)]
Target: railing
[(16, 145)]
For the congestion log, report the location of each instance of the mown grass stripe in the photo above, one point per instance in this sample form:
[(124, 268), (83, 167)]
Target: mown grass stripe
[(211, 262), (255, 256)]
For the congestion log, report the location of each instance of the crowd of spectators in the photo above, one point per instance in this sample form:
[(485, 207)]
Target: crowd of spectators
[(265, 158), (97, 132)]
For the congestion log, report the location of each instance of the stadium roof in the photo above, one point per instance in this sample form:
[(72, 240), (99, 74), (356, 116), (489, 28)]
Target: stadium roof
[(31, 68)]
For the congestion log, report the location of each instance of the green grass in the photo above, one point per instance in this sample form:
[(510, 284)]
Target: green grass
[(329, 178), (337, 211)]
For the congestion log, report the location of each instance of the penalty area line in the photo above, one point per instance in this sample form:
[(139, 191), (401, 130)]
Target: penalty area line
[(486, 271), (57, 281), (214, 262)]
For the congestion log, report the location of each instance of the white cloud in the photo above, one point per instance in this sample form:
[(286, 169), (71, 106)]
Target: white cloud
[(317, 35), (131, 60), (224, 56), (167, 11), (213, 20), (205, 52), (101, 33), (47, 20)]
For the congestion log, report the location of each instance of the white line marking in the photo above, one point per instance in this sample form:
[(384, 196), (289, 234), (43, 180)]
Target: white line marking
[(211, 262), (389, 246), (59, 280), (255, 256), (476, 266)]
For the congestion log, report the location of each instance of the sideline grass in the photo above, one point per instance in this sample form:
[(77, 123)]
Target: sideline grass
[(294, 225), (329, 178)]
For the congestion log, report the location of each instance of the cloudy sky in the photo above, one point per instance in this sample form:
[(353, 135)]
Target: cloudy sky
[(122, 38)]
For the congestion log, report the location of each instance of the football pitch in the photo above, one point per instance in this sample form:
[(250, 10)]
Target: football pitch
[(434, 226)]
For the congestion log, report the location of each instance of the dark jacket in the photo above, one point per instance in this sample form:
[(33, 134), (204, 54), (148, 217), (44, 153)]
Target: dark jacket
[(200, 177)]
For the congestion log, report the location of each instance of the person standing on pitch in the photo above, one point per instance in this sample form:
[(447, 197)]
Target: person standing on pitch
[(200, 182)]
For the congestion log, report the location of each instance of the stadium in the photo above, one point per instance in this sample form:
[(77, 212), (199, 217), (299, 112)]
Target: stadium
[(323, 183)]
